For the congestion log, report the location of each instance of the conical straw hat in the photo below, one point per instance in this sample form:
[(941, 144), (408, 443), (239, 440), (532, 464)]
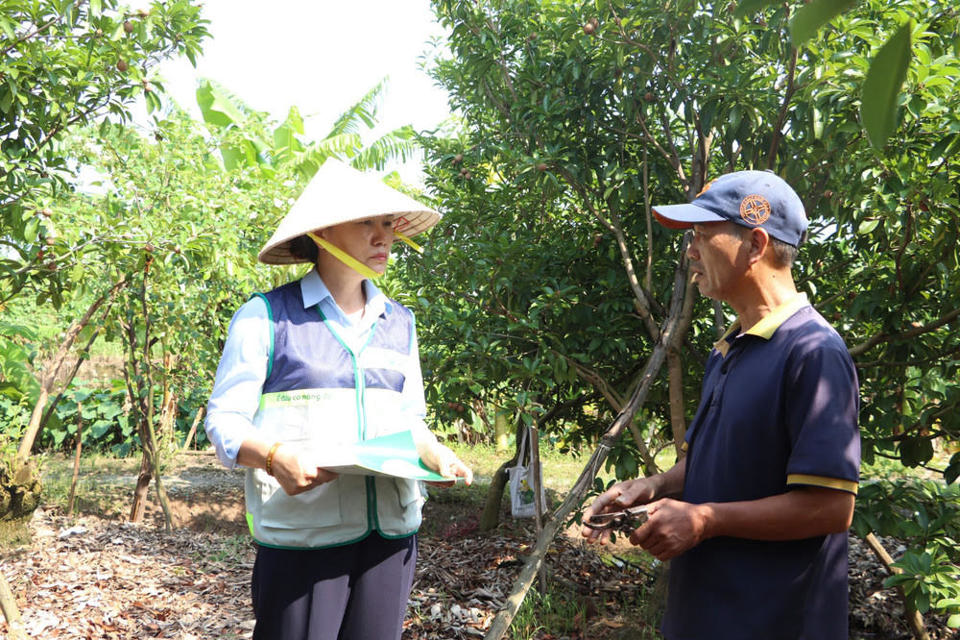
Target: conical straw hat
[(339, 193)]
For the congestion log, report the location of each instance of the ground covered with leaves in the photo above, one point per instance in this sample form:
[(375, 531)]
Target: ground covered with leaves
[(94, 576)]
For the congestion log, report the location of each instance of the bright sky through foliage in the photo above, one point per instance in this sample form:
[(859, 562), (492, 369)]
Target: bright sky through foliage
[(320, 56)]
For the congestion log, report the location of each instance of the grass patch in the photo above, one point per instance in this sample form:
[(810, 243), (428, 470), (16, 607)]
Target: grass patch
[(227, 549), (560, 470), (556, 611), (103, 486), (14, 533)]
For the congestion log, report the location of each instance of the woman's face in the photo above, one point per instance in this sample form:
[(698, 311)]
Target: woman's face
[(368, 240)]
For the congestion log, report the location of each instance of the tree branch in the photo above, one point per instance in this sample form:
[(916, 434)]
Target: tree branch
[(784, 107), (881, 338)]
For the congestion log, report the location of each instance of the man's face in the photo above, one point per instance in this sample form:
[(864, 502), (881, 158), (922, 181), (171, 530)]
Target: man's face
[(718, 259), (368, 240)]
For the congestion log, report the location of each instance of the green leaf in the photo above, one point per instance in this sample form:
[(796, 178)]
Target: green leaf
[(96, 8), (217, 107), (31, 229), (881, 87), (752, 6), (810, 17), (7, 27)]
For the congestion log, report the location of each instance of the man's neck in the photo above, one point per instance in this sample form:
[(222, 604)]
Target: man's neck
[(776, 288)]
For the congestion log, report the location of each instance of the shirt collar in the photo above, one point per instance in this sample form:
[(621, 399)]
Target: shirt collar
[(314, 291), (767, 325)]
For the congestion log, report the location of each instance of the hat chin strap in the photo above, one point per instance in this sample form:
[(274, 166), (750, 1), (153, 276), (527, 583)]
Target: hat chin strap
[(344, 257), (405, 239)]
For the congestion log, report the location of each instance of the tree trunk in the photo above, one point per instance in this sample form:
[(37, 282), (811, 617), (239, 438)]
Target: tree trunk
[(193, 428), (168, 406), (138, 376), (501, 433), (140, 491), (490, 517), (20, 490), (678, 420), (52, 370)]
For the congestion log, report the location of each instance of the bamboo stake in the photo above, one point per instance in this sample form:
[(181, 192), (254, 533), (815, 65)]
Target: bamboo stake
[(914, 617), (8, 604), (534, 434), (76, 459)]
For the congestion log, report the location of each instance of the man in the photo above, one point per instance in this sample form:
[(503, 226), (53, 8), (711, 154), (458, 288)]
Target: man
[(755, 516)]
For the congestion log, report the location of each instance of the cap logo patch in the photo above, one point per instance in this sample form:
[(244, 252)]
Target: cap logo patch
[(755, 209)]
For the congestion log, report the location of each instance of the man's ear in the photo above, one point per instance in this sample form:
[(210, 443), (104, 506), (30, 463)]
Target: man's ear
[(759, 243)]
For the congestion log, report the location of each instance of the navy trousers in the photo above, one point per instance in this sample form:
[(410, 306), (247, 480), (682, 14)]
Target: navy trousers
[(355, 592)]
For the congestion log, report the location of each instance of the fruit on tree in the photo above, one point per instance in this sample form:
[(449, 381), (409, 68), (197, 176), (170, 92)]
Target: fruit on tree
[(127, 26), (122, 65)]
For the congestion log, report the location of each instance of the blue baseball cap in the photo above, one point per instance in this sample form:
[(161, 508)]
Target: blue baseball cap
[(749, 198)]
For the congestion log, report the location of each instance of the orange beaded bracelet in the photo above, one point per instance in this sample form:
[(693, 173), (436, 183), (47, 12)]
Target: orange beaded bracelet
[(268, 465)]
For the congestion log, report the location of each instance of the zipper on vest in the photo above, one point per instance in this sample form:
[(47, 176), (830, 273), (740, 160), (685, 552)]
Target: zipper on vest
[(373, 521)]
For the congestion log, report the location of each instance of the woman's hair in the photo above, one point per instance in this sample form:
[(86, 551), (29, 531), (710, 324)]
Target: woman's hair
[(303, 248)]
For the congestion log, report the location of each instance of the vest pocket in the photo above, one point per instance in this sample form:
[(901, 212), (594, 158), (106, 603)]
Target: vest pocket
[(408, 491), (399, 502), (319, 507)]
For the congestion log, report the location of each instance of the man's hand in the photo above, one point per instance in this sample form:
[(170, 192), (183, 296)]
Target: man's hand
[(617, 498), (671, 528), (292, 477)]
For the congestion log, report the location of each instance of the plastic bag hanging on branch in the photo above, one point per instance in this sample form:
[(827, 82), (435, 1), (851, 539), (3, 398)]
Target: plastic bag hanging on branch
[(522, 501)]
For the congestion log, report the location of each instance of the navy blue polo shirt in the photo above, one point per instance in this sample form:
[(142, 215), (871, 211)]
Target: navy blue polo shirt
[(778, 410)]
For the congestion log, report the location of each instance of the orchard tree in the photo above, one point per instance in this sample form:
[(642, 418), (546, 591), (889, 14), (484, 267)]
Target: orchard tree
[(184, 237), (64, 64), (577, 116)]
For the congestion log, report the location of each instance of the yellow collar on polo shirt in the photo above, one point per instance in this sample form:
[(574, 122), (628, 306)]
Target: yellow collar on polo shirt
[(767, 325)]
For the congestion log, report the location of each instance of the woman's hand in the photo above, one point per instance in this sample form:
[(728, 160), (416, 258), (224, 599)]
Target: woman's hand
[(292, 477), (445, 462)]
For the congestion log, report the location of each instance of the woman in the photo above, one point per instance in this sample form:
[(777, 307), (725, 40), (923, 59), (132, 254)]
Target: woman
[(319, 363)]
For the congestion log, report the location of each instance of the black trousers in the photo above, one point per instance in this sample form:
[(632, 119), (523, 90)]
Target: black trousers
[(354, 592)]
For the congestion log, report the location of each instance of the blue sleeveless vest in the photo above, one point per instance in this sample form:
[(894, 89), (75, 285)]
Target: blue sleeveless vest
[(319, 393)]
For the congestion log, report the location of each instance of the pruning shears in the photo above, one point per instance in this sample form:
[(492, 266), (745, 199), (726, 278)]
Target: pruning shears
[(624, 521)]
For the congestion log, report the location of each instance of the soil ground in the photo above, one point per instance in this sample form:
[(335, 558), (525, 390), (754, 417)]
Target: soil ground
[(92, 575)]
